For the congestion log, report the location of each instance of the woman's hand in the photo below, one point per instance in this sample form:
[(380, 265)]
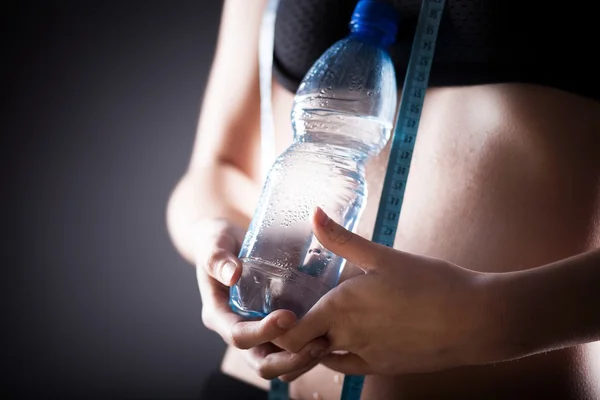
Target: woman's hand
[(406, 314), (218, 268)]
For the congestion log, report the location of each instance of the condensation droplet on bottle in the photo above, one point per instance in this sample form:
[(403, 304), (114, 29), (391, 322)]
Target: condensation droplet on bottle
[(369, 93)]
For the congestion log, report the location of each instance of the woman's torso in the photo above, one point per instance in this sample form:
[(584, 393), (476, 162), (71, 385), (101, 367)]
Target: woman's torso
[(505, 176)]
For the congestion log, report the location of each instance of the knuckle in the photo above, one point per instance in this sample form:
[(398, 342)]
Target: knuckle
[(214, 258), (263, 370), (340, 236), (235, 339), (268, 328)]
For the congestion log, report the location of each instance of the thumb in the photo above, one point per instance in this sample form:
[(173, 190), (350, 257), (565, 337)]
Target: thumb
[(359, 251)]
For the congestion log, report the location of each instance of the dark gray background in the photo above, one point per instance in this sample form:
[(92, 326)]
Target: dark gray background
[(100, 101)]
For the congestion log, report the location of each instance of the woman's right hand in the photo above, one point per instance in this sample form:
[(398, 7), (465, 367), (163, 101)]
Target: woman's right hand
[(217, 268)]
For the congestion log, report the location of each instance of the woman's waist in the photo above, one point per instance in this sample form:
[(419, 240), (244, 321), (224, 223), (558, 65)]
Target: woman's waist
[(500, 223), (496, 195), (570, 373)]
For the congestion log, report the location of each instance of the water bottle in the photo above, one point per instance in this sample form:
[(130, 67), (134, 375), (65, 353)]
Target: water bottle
[(342, 115)]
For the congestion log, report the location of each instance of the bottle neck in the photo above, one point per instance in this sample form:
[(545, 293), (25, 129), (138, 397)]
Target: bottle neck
[(370, 36), (375, 21)]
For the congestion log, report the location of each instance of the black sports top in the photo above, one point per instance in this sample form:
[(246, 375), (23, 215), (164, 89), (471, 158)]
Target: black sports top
[(480, 41)]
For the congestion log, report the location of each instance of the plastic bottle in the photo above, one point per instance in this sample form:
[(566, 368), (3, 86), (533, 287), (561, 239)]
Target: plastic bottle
[(342, 115)]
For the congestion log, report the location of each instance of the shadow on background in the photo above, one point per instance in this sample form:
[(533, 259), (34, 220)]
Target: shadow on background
[(99, 107)]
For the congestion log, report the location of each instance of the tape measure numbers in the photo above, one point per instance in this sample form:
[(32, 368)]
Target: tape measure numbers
[(403, 141), (407, 122)]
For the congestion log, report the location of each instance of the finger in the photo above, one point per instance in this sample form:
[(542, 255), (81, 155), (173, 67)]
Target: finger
[(284, 362), (350, 364), (295, 375), (316, 323), (216, 244), (222, 265), (256, 354), (354, 248), (211, 291), (221, 319), (220, 322), (246, 334), (216, 313)]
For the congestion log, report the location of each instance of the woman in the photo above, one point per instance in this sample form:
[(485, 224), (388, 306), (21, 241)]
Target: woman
[(496, 251)]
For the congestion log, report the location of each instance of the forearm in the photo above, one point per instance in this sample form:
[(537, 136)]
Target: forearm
[(229, 124), (215, 191), (222, 179), (545, 308)]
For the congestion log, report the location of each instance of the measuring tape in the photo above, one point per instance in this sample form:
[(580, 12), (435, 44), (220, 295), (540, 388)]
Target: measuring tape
[(403, 142), (279, 390)]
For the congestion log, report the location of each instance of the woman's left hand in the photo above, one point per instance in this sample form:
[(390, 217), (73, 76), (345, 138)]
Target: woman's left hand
[(407, 314)]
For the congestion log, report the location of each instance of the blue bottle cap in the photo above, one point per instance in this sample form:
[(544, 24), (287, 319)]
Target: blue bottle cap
[(375, 18)]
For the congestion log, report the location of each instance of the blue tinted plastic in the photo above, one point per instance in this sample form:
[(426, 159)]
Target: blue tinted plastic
[(375, 21)]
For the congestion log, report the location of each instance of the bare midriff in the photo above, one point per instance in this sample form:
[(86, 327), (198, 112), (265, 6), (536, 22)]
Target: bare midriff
[(504, 177)]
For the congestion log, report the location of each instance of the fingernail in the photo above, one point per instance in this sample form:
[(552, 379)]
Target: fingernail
[(227, 271), (285, 322), (322, 218), (318, 352)]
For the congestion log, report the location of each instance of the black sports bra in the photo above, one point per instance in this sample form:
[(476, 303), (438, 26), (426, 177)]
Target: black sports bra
[(480, 41)]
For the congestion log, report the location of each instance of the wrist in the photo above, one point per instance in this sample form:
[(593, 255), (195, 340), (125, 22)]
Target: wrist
[(490, 320)]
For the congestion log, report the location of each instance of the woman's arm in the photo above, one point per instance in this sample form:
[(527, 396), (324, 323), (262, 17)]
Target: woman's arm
[(222, 179), (211, 206), (545, 308), (410, 314)]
